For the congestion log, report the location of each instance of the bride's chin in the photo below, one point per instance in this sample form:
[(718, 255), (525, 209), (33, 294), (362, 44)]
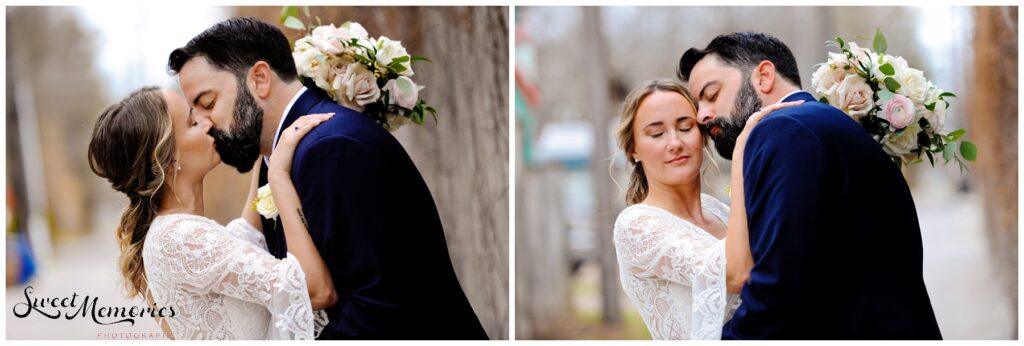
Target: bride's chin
[(214, 162)]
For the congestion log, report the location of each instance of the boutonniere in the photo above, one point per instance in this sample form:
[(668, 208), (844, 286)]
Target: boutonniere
[(264, 203)]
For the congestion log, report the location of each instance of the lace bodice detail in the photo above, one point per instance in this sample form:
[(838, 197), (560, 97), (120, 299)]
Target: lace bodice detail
[(223, 284), (674, 272)]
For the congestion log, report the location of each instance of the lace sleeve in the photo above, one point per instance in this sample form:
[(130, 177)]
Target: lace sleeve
[(241, 229), (655, 245), (209, 259)]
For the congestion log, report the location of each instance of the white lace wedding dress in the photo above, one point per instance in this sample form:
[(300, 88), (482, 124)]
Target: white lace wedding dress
[(674, 272), (223, 284)]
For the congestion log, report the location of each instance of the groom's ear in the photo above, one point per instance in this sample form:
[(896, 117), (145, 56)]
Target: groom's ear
[(260, 78), (763, 77)]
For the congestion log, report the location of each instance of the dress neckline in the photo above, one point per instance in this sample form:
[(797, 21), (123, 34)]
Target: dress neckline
[(183, 215), (674, 216)]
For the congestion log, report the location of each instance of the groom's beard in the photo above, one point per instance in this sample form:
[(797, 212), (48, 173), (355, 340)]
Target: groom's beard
[(241, 146), (729, 128)]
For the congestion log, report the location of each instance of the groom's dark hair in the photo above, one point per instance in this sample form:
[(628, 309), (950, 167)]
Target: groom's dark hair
[(234, 45), (744, 50)]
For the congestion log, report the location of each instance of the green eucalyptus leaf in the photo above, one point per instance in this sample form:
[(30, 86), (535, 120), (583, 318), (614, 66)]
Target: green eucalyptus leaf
[(294, 23), (947, 152), (397, 67), (288, 11), (405, 85), (885, 95), (879, 43), (887, 69), (891, 84), (968, 150), (955, 135)]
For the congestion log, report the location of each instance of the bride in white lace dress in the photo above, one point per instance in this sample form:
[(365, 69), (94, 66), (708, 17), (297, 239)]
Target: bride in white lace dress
[(683, 258), (220, 280)]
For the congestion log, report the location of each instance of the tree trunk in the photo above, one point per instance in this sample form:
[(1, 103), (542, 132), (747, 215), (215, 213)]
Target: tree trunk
[(597, 80), (993, 127)]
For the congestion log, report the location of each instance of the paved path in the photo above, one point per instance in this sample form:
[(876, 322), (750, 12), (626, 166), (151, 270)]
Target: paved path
[(87, 266)]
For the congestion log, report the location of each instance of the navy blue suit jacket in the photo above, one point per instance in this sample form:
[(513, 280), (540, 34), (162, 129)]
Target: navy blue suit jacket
[(375, 224), (833, 232)]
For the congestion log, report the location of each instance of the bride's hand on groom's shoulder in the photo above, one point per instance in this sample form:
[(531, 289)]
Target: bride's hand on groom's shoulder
[(281, 158)]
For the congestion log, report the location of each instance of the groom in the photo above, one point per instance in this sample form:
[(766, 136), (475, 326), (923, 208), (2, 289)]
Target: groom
[(833, 229), (367, 208)]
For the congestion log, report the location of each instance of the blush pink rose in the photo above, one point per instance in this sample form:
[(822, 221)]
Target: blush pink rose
[(899, 111)]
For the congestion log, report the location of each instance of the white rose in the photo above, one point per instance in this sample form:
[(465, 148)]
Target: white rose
[(838, 60), (898, 65), (403, 92), (913, 84), (356, 88), (324, 38), (854, 97), (902, 144), (825, 78), (361, 46), (859, 54), (899, 112), (312, 63), (324, 32), (388, 50), (264, 203), (349, 30), (937, 117), (305, 59)]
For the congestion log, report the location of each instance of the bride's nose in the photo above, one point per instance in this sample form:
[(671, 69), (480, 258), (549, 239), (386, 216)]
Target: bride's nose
[(675, 141)]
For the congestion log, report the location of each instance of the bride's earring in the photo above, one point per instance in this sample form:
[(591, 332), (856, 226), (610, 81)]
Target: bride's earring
[(175, 181)]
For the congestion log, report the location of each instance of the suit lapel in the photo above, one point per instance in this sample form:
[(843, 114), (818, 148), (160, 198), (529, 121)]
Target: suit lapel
[(302, 106), (272, 228)]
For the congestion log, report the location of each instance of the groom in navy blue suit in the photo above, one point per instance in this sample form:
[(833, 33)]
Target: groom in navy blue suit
[(833, 228), (367, 208)]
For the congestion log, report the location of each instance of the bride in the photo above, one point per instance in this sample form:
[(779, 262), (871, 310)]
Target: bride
[(221, 280), (683, 257)]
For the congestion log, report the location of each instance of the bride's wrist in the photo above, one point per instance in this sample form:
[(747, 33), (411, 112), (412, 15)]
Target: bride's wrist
[(277, 176)]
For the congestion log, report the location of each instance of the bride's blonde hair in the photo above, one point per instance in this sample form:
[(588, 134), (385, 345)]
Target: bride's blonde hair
[(132, 147), (638, 188)]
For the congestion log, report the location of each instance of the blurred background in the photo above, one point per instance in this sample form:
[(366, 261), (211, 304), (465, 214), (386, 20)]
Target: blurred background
[(574, 66), (65, 64)]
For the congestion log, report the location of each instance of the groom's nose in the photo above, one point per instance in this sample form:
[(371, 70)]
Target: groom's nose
[(705, 115), (204, 123), (203, 118)]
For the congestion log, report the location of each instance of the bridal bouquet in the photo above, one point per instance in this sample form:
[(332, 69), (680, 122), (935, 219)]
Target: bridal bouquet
[(368, 74), (894, 102)]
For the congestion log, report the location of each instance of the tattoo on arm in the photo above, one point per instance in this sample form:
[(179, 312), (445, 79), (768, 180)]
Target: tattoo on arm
[(303, 218)]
